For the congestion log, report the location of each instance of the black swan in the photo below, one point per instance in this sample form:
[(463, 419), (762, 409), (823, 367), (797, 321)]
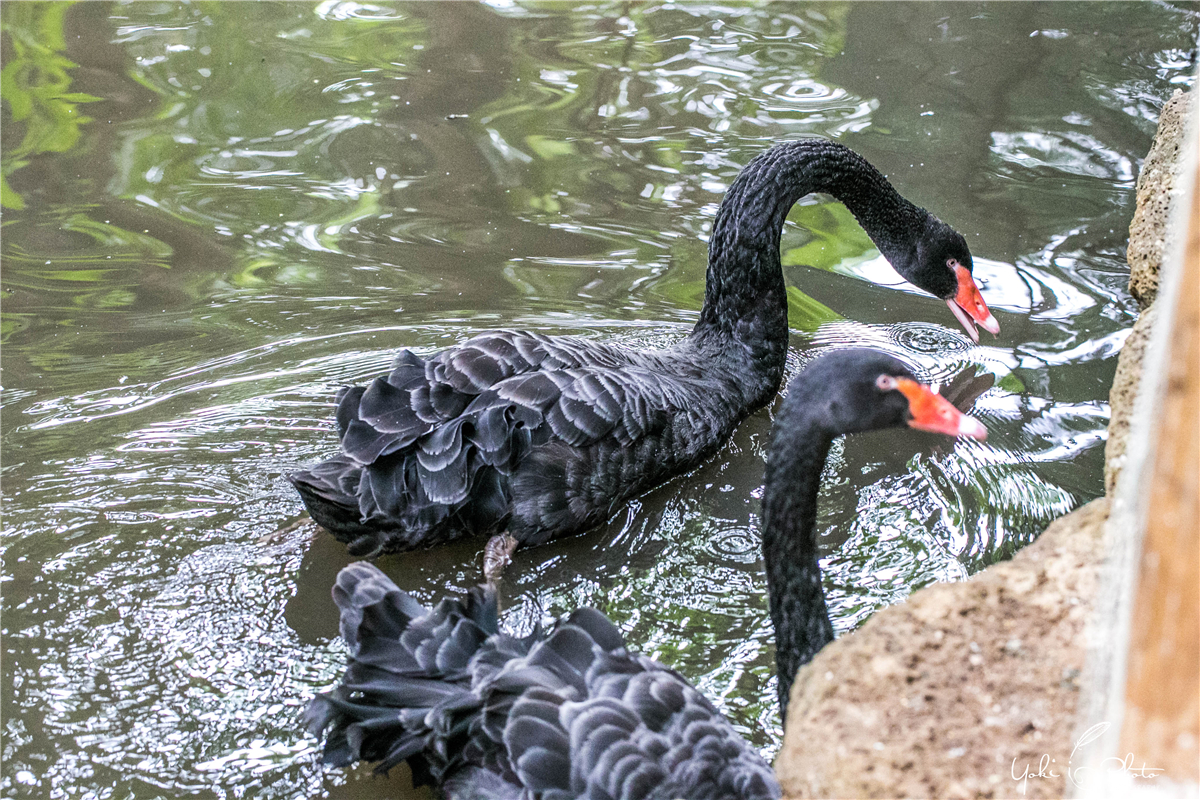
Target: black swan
[(544, 436), (573, 713)]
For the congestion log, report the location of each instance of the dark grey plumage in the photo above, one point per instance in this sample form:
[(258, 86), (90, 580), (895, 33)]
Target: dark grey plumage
[(546, 436), (482, 714)]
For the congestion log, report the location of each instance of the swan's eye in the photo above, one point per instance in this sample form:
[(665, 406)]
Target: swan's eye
[(952, 263), (886, 383)]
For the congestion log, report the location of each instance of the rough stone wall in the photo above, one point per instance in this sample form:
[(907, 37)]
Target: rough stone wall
[(956, 690), (965, 687), (1158, 183), (1123, 393)]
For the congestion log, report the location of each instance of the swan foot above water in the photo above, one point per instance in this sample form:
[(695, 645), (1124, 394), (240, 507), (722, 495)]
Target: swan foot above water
[(497, 554)]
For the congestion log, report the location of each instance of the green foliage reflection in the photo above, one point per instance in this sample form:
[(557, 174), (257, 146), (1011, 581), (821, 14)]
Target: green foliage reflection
[(836, 238), (35, 88)]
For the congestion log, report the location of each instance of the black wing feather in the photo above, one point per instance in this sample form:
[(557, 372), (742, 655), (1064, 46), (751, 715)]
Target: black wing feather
[(483, 714), (542, 435)]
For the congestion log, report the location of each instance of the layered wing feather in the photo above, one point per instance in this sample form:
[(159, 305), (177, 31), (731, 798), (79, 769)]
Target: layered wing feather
[(480, 713), (441, 447)]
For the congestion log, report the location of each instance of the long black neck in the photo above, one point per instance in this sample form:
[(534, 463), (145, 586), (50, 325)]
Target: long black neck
[(745, 301), (793, 478)]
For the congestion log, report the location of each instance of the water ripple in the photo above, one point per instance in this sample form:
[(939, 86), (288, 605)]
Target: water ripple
[(928, 339)]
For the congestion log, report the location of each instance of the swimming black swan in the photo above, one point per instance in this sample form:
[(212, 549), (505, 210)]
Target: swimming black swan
[(573, 714), (545, 435)]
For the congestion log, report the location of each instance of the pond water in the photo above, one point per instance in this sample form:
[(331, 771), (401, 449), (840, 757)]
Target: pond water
[(269, 200)]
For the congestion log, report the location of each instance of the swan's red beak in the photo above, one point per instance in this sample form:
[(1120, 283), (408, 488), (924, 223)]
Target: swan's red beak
[(932, 412), (969, 307)]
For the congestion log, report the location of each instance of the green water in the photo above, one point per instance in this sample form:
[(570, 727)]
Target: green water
[(222, 212)]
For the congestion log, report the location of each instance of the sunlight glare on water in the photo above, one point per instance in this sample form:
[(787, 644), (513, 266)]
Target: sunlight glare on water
[(270, 200)]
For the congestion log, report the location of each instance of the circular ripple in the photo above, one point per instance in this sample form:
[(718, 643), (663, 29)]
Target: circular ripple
[(735, 544), (920, 337)]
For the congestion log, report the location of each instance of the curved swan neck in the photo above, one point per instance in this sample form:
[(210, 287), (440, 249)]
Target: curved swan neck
[(797, 599), (744, 292)]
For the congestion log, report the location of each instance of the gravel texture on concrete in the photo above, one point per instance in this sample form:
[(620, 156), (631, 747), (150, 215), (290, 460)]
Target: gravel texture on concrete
[(1158, 184)]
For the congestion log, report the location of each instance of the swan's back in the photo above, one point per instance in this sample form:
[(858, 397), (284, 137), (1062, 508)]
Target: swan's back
[(480, 713), (544, 435)]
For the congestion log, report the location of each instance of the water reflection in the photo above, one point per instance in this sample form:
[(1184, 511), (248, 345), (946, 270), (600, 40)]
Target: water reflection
[(281, 196)]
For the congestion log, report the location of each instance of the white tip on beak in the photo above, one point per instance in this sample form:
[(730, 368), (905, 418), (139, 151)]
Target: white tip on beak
[(969, 426), (967, 323), (990, 325)]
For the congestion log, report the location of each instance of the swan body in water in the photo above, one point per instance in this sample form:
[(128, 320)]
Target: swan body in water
[(544, 436)]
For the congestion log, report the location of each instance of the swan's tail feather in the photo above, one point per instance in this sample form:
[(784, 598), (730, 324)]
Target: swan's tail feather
[(406, 694), (329, 491)]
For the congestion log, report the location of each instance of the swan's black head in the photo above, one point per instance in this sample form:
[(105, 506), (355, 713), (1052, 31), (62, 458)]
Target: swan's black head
[(941, 265), (842, 392), (850, 391)]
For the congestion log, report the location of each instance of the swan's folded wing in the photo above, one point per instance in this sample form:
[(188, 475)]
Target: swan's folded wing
[(420, 395), (634, 729), (626, 402), (504, 388), (571, 714), (429, 451)]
